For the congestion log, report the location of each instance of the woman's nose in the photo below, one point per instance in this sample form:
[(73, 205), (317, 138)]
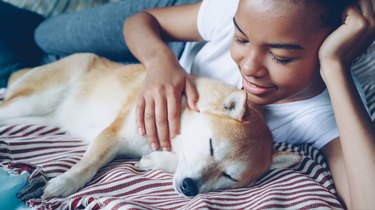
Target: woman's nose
[(253, 65)]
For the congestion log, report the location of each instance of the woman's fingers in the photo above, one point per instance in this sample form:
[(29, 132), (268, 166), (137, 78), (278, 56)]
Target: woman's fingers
[(149, 118), (367, 8), (358, 30), (140, 115), (159, 107), (366, 22), (158, 117), (174, 112), (368, 13), (161, 121), (191, 94)]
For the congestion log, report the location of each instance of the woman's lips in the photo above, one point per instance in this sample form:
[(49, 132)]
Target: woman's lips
[(256, 89)]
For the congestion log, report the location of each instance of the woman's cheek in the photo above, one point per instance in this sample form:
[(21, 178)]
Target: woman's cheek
[(234, 52)]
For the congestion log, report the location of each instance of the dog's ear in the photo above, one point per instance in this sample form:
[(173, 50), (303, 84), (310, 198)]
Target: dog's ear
[(284, 159), (235, 105)]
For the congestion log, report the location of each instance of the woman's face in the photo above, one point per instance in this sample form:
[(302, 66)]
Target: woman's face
[(276, 45)]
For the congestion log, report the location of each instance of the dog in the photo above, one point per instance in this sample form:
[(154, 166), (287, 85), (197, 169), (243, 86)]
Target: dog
[(227, 144)]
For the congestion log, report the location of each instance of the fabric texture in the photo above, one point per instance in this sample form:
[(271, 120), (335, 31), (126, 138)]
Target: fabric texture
[(213, 60), (364, 70), (55, 7), (49, 151), (18, 20), (308, 121), (97, 30)]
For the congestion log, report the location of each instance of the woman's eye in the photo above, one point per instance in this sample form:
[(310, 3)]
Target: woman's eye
[(239, 41), (282, 61)]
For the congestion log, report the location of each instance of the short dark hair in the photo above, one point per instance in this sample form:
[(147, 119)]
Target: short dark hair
[(332, 10)]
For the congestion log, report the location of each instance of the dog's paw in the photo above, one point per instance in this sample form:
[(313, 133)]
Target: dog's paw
[(166, 161), (145, 163), (61, 186)]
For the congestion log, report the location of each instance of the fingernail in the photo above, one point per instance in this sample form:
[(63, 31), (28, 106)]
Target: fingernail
[(141, 131), (175, 135), (165, 149), (153, 147)]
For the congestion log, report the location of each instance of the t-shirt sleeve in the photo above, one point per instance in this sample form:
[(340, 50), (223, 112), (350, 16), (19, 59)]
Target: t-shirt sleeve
[(325, 129), (213, 15), (317, 123), (312, 125)]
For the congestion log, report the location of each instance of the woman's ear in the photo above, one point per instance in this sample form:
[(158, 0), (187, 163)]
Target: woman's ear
[(284, 159)]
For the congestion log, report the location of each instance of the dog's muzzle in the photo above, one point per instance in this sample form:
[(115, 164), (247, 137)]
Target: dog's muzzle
[(189, 187)]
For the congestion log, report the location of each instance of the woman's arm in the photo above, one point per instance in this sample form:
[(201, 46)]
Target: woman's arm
[(158, 108), (352, 159)]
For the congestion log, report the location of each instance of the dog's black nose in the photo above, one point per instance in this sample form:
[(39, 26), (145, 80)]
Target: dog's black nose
[(189, 187)]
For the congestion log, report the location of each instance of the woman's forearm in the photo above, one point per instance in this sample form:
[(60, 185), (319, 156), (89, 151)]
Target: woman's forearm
[(143, 36), (356, 134)]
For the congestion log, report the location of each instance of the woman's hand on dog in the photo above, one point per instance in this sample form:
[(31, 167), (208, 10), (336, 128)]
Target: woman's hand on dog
[(159, 105)]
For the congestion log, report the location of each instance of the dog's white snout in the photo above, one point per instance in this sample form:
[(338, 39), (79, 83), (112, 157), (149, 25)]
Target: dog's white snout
[(189, 187)]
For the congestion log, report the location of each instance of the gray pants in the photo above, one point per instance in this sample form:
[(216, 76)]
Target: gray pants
[(98, 30)]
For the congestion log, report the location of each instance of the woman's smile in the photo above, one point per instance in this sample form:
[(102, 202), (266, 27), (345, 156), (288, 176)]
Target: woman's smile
[(257, 89)]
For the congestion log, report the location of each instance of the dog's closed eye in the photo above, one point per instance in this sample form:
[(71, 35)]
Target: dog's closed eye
[(229, 177), (211, 148), (224, 174)]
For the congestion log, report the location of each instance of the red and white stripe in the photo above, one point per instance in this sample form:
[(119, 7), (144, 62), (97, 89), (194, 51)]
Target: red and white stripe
[(120, 185)]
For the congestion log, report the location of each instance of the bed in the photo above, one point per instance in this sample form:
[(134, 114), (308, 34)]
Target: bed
[(43, 152), (38, 153)]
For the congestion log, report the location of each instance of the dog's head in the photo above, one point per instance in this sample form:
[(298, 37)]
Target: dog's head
[(226, 145)]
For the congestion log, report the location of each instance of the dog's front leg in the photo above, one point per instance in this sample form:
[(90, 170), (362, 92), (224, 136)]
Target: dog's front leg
[(159, 160), (102, 150)]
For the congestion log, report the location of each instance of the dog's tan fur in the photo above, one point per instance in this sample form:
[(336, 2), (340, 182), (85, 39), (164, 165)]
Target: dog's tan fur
[(227, 144)]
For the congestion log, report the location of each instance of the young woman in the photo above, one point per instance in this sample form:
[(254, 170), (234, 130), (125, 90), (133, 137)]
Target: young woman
[(292, 57)]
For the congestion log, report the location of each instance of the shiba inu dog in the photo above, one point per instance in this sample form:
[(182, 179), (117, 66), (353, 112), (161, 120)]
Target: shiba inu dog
[(225, 145)]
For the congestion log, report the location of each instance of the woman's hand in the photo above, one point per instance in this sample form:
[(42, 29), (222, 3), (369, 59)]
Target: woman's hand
[(159, 105), (353, 37)]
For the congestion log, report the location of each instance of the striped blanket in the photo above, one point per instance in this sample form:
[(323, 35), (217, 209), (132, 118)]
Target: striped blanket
[(47, 152), (364, 70)]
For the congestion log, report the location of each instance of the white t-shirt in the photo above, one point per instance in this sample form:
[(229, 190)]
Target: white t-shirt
[(308, 121), (212, 59)]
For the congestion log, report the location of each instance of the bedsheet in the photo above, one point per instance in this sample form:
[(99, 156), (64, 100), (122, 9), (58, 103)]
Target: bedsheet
[(46, 152)]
